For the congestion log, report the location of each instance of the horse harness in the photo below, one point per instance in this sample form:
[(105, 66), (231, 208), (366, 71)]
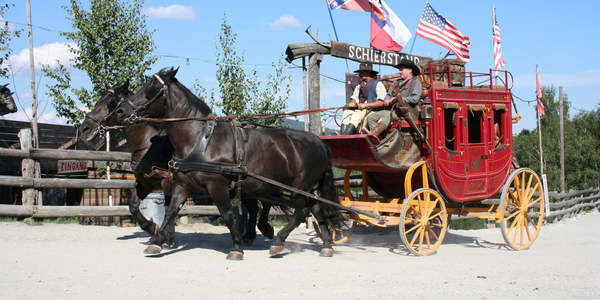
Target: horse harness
[(196, 160)]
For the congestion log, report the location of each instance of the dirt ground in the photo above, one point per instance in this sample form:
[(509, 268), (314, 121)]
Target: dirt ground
[(56, 261)]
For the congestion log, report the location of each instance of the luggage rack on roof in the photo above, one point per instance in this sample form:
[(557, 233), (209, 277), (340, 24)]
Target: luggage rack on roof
[(449, 76)]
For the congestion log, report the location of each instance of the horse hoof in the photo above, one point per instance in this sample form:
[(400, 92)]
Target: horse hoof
[(166, 246), (235, 255), (326, 252), (275, 249), (152, 249)]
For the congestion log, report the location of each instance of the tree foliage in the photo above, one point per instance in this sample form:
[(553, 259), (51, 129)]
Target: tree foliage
[(112, 45), (240, 89), (582, 139), (6, 36)]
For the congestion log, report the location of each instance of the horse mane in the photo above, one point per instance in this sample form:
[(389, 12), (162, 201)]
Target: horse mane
[(168, 75)]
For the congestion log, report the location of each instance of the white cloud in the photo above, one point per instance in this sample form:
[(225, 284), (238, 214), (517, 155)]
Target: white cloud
[(284, 22), (577, 79), (48, 118), (47, 54), (175, 11)]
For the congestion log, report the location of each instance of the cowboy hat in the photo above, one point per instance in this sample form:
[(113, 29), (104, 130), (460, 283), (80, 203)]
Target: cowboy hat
[(368, 67), (405, 63)]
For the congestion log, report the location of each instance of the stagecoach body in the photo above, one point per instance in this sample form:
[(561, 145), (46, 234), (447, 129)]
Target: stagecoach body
[(466, 158)]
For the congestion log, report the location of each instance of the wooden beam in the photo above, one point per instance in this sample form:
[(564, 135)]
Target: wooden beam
[(101, 211), (66, 154), (45, 183)]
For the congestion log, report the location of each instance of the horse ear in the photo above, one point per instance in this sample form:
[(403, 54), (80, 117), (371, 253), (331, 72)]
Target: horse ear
[(171, 73)]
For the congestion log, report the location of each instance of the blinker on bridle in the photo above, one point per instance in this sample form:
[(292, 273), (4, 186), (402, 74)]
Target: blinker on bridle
[(135, 117)]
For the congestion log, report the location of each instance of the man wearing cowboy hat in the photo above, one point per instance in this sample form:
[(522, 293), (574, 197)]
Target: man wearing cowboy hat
[(410, 91), (368, 95)]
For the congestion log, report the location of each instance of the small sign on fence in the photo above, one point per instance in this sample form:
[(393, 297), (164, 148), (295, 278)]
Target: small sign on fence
[(72, 166)]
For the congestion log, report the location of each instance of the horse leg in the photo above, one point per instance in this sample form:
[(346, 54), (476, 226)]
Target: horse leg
[(327, 249), (252, 207), (263, 221), (277, 244), (229, 213), (166, 233)]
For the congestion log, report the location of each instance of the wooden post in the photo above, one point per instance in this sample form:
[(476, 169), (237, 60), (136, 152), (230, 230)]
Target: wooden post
[(27, 167), (304, 92), (314, 63), (562, 141), (34, 126)]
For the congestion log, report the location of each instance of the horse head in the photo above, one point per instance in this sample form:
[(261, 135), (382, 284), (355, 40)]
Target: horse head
[(94, 124), (7, 103), (153, 98)]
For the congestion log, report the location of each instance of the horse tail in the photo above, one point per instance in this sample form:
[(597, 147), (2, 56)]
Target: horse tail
[(333, 216)]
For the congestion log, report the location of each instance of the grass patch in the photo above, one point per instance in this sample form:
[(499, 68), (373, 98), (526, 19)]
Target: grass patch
[(468, 224)]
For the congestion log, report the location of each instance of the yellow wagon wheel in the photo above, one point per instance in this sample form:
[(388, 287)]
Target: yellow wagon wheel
[(521, 209), (423, 221), (339, 235)]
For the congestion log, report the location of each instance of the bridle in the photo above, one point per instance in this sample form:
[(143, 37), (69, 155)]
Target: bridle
[(135, 116)]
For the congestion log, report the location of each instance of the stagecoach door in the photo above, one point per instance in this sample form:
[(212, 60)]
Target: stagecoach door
[(476, 129)]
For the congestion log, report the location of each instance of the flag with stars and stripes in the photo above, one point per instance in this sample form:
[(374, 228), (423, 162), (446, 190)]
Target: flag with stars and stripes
[(437, 29), (499, 62)]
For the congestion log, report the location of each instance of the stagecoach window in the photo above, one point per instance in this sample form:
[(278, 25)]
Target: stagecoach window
[(449, 127), (498, 125), (475, 120)]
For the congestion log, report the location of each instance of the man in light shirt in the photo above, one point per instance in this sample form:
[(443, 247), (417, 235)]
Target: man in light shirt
[(368, 96)]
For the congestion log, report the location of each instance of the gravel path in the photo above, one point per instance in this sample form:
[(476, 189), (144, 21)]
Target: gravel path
[(57, 261)]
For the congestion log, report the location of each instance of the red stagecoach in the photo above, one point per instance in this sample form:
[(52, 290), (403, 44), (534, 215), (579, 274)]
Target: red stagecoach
[(448, 158)]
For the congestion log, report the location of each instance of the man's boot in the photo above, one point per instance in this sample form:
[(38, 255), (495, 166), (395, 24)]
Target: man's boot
[(342, 128), (379, 129), (349, 129)]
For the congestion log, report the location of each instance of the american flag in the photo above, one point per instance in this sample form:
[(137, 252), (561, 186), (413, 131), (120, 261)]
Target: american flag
[(437, 29), (499, 62)]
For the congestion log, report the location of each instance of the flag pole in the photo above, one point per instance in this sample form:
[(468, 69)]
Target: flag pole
[(335, 30), (493, 50)]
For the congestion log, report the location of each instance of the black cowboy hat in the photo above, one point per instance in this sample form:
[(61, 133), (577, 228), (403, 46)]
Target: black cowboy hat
[(405, 63), (368, 67)]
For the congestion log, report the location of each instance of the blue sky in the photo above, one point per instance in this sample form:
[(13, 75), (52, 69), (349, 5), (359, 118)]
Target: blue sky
[(562, 39)]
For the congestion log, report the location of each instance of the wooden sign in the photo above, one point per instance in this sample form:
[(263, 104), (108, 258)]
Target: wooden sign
[(374, 56), (71, 166)]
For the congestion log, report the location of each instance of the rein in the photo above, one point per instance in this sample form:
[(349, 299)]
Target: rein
[(241, 117)]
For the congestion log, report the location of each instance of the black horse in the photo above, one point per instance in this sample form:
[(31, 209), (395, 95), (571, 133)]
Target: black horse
[(289, 156), (7, 103), (151, 152)]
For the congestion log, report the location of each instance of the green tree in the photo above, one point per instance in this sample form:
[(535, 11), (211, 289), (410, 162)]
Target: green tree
[(582, 138), (241, 91), (6, 36), (112, 45)]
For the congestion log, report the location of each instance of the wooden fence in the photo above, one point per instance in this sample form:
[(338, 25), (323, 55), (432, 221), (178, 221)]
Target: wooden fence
[(561, 204)]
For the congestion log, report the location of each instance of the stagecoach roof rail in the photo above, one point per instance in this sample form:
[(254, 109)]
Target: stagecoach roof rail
[(470, 75)]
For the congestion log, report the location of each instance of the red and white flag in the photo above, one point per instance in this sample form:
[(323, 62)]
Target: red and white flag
[(499, 62), (388, 32), (538, 92), (437, 29)]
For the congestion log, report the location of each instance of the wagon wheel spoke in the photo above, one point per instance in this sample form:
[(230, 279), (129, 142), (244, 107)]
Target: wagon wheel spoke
[(412, 242), (528, 186), (419, 201), (512, 225), (513, 215), (531, 192), (534, 202), (434, 234), (414, 227), (518, 225), (435, 216), (427, 239), (432, 207), (527, 229), (422, 233)]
